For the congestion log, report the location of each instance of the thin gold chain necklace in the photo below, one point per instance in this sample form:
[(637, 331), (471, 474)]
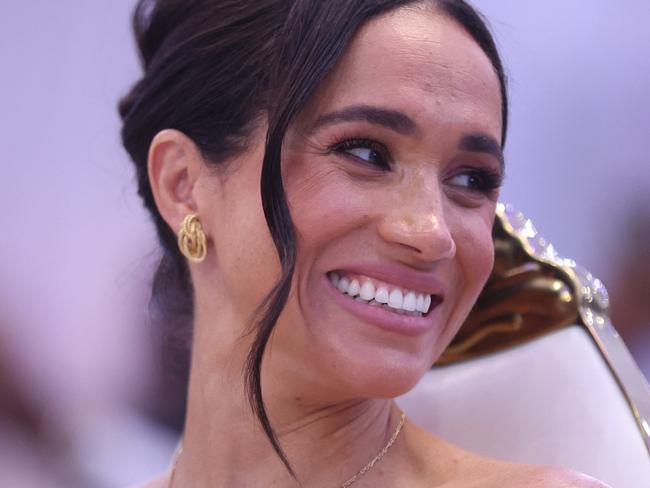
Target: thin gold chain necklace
[(349, 482)]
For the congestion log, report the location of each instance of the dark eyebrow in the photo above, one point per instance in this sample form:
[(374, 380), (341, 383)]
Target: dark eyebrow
[(391, 119), (482, 143), (401, 123)]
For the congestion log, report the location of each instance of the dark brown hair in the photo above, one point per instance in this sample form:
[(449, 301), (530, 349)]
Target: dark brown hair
[(211, 68)]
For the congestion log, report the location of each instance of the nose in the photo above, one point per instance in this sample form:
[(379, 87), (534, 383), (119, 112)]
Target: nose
[(418, 224)]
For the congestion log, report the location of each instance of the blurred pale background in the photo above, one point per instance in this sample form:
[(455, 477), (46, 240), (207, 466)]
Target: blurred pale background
[(77, 249)]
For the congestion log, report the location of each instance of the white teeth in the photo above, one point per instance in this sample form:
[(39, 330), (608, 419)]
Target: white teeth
[(419, 303), (367, 291), (395, 299), (354, 288), (401, 301), (381, 295), (409, 302), (343, 285)]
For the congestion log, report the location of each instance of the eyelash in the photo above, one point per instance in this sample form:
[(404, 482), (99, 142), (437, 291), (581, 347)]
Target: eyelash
[(489, 180), (359, 143)]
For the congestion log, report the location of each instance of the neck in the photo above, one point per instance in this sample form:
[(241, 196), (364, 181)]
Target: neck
[(326, 442)]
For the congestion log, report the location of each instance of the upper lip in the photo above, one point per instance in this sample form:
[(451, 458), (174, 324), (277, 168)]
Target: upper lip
[(419, 281)]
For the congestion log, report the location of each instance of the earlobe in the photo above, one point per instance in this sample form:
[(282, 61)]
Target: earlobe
[(174, 165), (192, 241)]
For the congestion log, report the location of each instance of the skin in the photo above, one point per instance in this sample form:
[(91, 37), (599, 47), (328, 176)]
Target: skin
[(329, 376)]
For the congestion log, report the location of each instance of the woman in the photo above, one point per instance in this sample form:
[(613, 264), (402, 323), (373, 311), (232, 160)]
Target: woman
[(375, 129)]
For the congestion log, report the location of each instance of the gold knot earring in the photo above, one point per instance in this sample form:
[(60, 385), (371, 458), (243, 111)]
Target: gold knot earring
[(191, 239)]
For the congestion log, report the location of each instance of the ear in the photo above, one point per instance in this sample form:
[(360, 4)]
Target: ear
[(174, 165)]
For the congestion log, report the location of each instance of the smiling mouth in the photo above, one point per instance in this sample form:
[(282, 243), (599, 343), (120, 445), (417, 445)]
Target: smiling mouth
[(379, 294)]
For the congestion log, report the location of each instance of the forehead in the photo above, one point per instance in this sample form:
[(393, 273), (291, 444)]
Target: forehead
[(420, 61)]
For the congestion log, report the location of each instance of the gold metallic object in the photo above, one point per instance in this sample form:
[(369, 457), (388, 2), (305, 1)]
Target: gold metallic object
[(523, 298), (349, 482), (192, 240), (533, 291), (378, 457)]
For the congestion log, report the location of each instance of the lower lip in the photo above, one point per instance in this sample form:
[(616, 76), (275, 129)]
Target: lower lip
[(382, 317)]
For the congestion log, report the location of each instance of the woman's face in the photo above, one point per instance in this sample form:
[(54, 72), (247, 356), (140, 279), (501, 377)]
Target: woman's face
[(391, 174)]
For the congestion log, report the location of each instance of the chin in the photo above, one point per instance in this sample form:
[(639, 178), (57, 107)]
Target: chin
[(362, 349), (372, 372)]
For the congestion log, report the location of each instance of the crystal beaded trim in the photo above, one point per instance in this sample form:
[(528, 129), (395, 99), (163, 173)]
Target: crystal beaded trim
[(590, 291)]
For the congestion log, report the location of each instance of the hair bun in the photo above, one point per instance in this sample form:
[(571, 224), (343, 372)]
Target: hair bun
[(155, 21)]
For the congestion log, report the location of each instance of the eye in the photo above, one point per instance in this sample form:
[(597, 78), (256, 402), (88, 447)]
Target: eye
[(478, 180), (365, 150)]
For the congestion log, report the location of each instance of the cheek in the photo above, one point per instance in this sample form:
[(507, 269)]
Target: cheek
[(323, 205), (248, 263), (475, 253), (472, 266)]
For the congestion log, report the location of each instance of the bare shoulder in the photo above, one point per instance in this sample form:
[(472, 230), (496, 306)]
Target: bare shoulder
[(506, 474), (556, 477), (159, 482), (447, 465)]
